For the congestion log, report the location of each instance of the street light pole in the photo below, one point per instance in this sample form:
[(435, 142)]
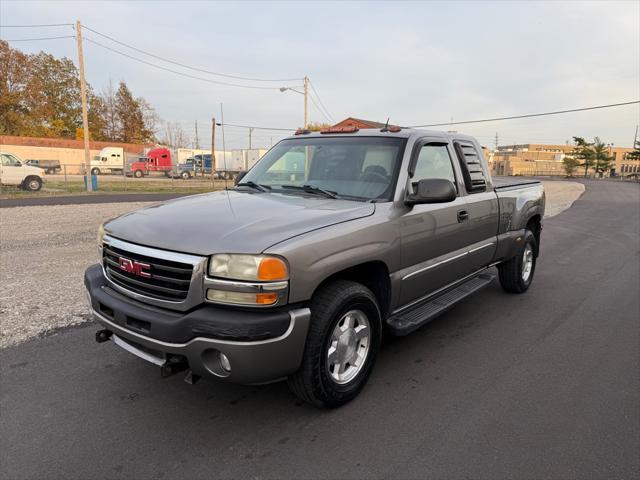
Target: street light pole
[(305, 93)]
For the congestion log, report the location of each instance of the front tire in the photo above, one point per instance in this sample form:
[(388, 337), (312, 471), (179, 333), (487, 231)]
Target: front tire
[(185, 175), (341, 347), (33, 184), (138, 174), (516, 275), (95, 171)]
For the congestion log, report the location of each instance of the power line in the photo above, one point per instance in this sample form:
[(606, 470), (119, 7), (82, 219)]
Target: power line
[(216, 82), (527, 115), (258, 128), (237, 77), (35, 39), (38, 25), (320, 100), (319, 109)]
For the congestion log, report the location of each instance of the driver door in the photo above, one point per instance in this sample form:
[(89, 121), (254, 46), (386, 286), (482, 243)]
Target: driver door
[(433, 236)]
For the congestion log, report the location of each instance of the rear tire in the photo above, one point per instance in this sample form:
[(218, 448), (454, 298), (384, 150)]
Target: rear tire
[(95, 171), (342, 345), (516, 274)]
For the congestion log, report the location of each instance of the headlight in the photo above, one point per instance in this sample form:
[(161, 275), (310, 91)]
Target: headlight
[(261, 268), (247, 280)]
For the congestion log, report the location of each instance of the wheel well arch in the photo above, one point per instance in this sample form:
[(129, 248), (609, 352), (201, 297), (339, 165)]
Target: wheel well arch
[(535, 225), (30, 177), (374, 275)]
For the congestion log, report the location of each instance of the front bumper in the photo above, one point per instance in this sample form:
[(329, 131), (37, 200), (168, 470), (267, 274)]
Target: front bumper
[(254, 353)]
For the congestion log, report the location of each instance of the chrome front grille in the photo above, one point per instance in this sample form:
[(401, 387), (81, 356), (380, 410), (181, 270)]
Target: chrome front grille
[(154, 276), (167, 280)]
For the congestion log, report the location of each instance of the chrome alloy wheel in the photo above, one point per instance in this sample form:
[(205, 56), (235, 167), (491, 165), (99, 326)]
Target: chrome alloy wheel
[(527, 263), (348, 346)]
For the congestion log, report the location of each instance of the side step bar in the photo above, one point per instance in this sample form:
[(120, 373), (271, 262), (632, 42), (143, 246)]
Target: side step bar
[(406, 322)]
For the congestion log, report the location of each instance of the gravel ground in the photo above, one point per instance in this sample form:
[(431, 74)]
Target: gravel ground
[(560, 196), (43, 254), (44, 251)]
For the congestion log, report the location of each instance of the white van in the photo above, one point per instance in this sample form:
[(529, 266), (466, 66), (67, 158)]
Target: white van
[(14, 171)]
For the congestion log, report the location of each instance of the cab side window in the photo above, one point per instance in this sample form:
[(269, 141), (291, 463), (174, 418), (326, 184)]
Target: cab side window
[(434, 162), (10, 160)]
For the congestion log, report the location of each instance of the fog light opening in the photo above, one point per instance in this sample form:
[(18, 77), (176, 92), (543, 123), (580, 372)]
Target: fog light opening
[(216, 362), (225, 364)]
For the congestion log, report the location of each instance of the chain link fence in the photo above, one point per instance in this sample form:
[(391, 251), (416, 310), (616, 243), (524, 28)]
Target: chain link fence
[(70, 178)]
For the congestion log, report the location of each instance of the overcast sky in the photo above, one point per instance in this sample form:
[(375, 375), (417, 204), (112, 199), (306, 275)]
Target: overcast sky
[(415, 62)]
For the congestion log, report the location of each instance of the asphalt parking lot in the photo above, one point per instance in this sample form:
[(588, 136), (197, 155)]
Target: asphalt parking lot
[(542, 385)]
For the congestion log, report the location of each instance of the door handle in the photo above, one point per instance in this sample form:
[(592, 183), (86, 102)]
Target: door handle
[(463, 216)]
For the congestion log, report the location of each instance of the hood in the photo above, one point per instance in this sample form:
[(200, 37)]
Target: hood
[(30, 169), (232, 222)]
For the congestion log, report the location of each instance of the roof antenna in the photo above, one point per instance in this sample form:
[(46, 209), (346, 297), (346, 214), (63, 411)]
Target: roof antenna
[(224, 160), (386, 126)]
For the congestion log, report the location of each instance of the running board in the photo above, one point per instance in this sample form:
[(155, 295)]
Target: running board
[(406, 322)]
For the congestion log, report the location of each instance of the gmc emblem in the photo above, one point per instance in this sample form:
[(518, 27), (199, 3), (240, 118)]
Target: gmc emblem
[(136, 268)]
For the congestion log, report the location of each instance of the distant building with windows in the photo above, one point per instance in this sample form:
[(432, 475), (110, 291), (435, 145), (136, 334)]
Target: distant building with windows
[(546, 159)]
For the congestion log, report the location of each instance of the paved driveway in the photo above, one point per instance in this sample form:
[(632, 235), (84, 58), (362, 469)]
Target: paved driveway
[(542, 385)]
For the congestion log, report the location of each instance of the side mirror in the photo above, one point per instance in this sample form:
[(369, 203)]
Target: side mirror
[(239, 177), (432, 190)]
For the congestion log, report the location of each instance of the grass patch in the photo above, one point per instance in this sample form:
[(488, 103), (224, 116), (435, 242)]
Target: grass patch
[(74, 187)]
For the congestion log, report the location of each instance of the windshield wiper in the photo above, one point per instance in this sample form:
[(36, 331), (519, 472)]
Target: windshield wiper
[(312, 189), (255, 186)]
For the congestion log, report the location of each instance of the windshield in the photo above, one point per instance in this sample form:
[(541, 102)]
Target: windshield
[(355, 167)]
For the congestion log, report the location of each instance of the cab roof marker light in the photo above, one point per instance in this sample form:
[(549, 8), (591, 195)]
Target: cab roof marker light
[(348, 129)]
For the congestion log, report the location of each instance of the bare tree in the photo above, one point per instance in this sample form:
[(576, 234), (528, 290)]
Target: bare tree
[(112, 122), (150, 116), (174, 136)]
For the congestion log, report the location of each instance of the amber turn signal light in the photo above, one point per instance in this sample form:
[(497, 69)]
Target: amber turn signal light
[(272, 268)]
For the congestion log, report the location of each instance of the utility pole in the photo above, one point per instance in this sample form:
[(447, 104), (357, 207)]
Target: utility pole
[(85, 117), (213, 145), (197, 140), (250, 133), (306, 97)]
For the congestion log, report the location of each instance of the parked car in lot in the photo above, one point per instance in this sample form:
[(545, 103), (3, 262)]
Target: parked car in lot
[(329, 242), (49, 166), (16, 172)]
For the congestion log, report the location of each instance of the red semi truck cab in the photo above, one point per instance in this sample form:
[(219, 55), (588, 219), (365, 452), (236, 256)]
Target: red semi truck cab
[(156, 160)]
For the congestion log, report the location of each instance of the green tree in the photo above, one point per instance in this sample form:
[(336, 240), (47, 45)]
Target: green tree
[(317, 126), (53, 97), (570, 165), (40, 96), (13, 80), (601, 158), (131, 117), (635, 154), (582, 152)]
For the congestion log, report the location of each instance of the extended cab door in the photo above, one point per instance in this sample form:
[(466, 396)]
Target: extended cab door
[(433, 239), (482, 204), (11, 172)]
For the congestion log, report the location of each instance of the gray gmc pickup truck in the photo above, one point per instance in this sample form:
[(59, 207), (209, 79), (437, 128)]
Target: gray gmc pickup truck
[(331, 241)]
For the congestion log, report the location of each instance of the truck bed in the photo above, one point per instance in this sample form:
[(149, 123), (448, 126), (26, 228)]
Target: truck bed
[(504, 183)]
